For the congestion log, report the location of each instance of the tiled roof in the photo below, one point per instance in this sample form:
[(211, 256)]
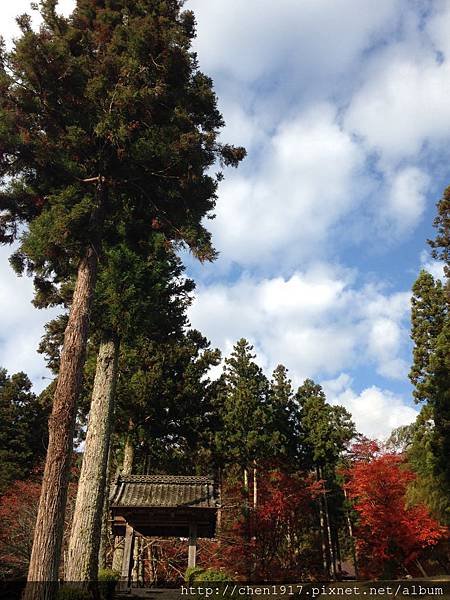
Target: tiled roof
[(164, 491)]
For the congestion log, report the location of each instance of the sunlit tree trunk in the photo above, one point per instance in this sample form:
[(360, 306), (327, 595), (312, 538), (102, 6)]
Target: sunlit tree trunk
[(46, 552), (85, 535)]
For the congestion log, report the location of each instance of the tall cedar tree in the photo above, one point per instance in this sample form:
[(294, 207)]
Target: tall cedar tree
[(285, 411), (441, 250), (430, 372), (243, 406), (134, 296), (102, 115)]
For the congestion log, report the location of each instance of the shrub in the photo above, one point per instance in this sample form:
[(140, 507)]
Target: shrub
[(72, 593), (191, 574), (208, 575), (107, 581)]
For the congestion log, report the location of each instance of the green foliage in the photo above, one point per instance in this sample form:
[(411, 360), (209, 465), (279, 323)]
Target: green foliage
[(165, 390), (429, 312), (441, 244), (245, 430), (285, 414), (72, 593), (428, 487), (325, 430), (107, 579), (191, 573), (430, 374), (23, 427), (212, 575), (106, 119)]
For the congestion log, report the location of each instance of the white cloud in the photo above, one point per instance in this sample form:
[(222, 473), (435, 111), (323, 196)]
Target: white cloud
[(282, 210), (406, 200), (315, 322), (402, 104), (376, 412), (317, 39), (10, 10), (435, 267), (21, 325)]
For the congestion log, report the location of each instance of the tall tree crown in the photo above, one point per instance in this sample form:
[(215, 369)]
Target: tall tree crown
[(105, 117)]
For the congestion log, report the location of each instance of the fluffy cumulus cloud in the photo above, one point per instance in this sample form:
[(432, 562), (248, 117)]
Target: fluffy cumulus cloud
[(406, 200), (288, 202), (314, 39), (402, 105), (376, 412), (315, 322)]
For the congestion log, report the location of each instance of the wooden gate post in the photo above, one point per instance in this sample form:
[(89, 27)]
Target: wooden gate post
[(192, 553), (127, 556)]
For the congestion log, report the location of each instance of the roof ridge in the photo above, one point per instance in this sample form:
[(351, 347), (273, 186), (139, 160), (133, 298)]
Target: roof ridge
[(166, 478)]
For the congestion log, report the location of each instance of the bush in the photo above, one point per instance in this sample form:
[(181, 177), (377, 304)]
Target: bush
[(192, 573), (212, 575), (72, 593), (107, 581)]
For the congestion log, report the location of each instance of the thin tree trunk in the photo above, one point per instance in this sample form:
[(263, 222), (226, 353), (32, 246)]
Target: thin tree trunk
[(421, 569), (105, 534), (46, 552), (352, 537), (255, 485), (128, 453), (245, 482), (84, 544), (323, 537), (329, 536)]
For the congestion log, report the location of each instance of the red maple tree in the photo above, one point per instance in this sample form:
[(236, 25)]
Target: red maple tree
[(272, 540), (390, 534), (18, 510)]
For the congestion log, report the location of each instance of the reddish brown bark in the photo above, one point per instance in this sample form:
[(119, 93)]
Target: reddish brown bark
[(45, 557)]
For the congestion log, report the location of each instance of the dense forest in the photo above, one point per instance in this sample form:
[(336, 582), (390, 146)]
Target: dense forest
[(109, 133)]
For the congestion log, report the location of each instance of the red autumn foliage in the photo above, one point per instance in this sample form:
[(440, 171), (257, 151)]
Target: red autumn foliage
[(18, 510), (390, 534), (274, 540)]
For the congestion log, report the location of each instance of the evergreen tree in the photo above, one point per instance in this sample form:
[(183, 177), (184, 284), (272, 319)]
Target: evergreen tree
[(246, 431), (23, 428), (165, 392), (134, 294), (416, 442), (429, 311), (441, 243), (430, 372), (104, 116), (285, 414), (325, 432)]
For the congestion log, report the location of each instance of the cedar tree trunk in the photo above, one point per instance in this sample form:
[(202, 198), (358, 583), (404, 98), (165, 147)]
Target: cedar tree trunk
[(128, 452), (46, 553), (84, 544)]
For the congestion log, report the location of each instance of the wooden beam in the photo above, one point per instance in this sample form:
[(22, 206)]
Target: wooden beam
[(127, 556), (192, 553)]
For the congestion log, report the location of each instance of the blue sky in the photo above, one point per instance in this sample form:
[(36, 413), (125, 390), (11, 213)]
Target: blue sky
[(343, 108)]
